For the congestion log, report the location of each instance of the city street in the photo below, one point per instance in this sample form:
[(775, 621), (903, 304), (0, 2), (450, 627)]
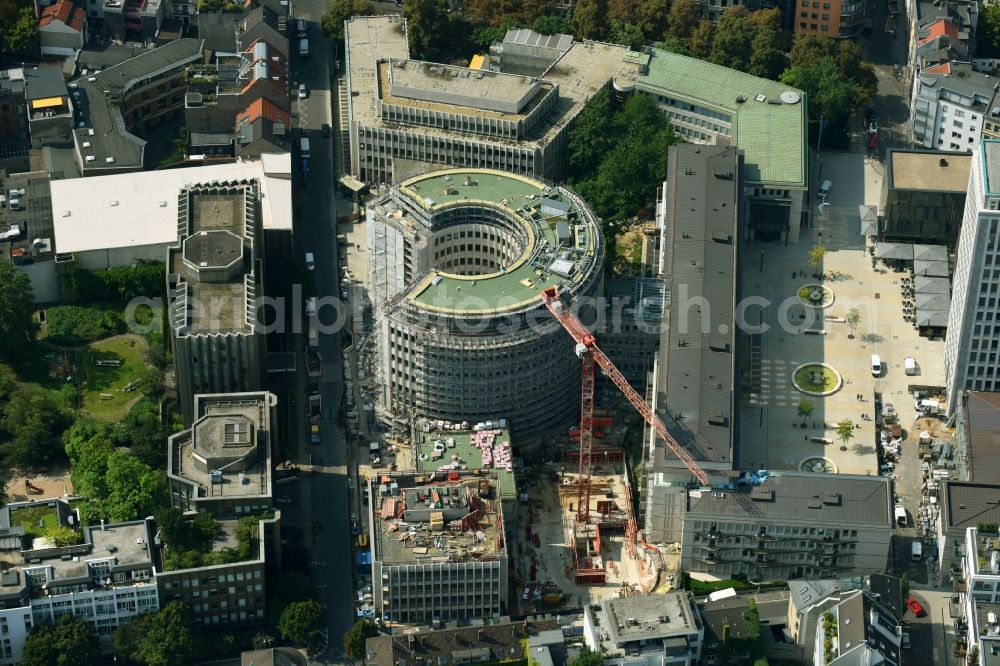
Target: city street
[(326, 487)]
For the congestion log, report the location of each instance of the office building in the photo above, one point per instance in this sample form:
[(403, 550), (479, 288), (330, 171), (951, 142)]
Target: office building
[(214, 278), (695, 383), (406, 115), (709, 104), (948, 105), (924, 196), (114, 108), (130, 17), (790, 525), (838, 19), (27, 238), (62, 29), (222, 463), (457, 263), (14, 137), (972, 342), (439, 550), (103, 573), (649, 630), (50, 116)]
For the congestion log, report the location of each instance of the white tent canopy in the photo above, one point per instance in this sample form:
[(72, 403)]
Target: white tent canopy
[(869, 220), (930, 253)]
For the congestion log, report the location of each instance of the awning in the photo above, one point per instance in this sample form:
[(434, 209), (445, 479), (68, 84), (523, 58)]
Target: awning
[(46, 102), (353, 184), (930, 253), (869, 220), (901, 251), (933, 302), (933, 318), (931, 268), (477, 62), (931, 285)]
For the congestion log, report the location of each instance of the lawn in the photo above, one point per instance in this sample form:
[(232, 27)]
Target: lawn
[(28, 519), (110, 381), (803, 378)]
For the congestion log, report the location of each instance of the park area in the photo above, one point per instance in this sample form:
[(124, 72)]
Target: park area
[(113, 370)]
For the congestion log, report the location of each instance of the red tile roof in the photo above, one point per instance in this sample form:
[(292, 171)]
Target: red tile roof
[(65, 12), (943, 68), (940, 28), (263, 108)]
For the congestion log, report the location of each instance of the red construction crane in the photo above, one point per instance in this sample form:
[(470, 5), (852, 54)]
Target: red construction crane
[(589, 353)]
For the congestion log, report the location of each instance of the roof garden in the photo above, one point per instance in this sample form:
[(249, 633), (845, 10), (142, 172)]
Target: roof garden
[(463, 451)]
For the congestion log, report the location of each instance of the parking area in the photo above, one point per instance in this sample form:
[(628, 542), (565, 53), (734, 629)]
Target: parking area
[(775, 434)]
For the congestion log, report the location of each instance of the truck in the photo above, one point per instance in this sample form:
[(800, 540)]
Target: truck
[(900, 515), (928, 407), (304, 47), (304, 147)]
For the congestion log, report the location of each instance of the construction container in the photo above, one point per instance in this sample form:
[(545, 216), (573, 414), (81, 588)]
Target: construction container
[(436, 523)]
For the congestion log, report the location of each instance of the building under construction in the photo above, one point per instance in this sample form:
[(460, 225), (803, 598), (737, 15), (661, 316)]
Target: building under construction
[(439, 550)]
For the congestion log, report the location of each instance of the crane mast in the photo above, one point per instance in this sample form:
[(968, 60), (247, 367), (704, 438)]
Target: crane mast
[(586, 347)]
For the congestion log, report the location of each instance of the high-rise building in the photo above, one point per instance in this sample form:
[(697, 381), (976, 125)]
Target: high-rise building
[(973, 339), (214, 277)]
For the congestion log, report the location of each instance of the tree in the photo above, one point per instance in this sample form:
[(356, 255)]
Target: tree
[(684, 17), (816, 255), (676, 45), (134, 488), (589, 19), (653, 16), (591, 137), (32, 423), (852, 319), (904, 587), (88, 445), (768, 57), (988, 32), (167, 637), (805, 408), (752, 617), (21, 38), (733, 39), (301, 620), (68, 642), (427, 24), (354, 639), (587, 657), (17, 326), (627, 34), (853, 68), (332, 22), (845, 431), (702, 39), (551, 25), (807, 50)]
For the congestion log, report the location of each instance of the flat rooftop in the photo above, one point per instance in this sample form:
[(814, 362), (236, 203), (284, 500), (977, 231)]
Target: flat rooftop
[(929, 171), (448, 84), (821, 499), (433, 524), (520, 284), (771, 132), (33, 218), (580, 73), (136, 209), (649, 617), (981, 415), (970, 504), (447, 450)]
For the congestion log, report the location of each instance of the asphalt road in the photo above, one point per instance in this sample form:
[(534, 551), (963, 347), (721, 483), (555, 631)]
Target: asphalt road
[(324, 491)]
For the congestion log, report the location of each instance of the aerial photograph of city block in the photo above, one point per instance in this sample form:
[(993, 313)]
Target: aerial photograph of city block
[(500, 332)]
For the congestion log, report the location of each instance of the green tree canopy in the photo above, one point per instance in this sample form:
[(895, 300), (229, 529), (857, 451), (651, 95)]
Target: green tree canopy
[(17, 327), (626, 34), (167, 637), (676, 45), (590, 19), (332, 22), (988, 31), (429, 26), (354, 639), (68, 642), (684, 17), (30, 427), (733, 42), (301, 620), (20, 39), (587, 657), (552, 25), (702, 39)]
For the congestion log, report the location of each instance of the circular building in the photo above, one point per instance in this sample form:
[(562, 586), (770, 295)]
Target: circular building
[(458, 260)]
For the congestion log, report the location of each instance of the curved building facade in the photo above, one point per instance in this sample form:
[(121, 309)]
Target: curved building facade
[(457, 263)]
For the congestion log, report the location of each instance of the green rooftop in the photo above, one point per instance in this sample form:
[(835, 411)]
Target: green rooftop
[(519, 285), (468, 455), (771, 133)]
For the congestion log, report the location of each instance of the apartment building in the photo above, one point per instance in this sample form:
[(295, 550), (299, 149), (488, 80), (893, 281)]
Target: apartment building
[(649, 630), (784, 525), (62, 29), (948, 105), (50, 113), (114, 108), (940, 32), (438, 550), (973, 338), (695, 384), (14, 137), (233, 593), (27, 238), (838, 19), (103, 573), (923, 196), (214, 277), (143, 17), (222, 463)]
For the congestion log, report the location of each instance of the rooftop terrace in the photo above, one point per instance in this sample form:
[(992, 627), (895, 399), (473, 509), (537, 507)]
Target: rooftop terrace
[(440, 523), (649, 617), (464, 451)]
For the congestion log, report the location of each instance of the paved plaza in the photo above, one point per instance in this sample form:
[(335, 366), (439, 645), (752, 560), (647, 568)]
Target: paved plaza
[(771, 432)]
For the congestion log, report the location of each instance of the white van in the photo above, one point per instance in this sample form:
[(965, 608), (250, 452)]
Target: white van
[(311, 306), (304, 47), (310, 261), (300, 26), (876, 365), (824, 189), (917, 551), (304, 147), (910, 365)]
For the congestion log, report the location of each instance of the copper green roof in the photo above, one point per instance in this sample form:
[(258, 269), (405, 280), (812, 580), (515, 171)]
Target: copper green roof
[(771, 132)]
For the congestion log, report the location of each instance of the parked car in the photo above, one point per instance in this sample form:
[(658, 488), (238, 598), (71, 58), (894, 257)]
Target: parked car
[(310, 261), (325, 130), (906, 640), (915, 607), (354, 527), (303, 91)]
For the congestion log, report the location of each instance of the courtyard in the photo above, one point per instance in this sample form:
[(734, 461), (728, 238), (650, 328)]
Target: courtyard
[(775, 433)]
